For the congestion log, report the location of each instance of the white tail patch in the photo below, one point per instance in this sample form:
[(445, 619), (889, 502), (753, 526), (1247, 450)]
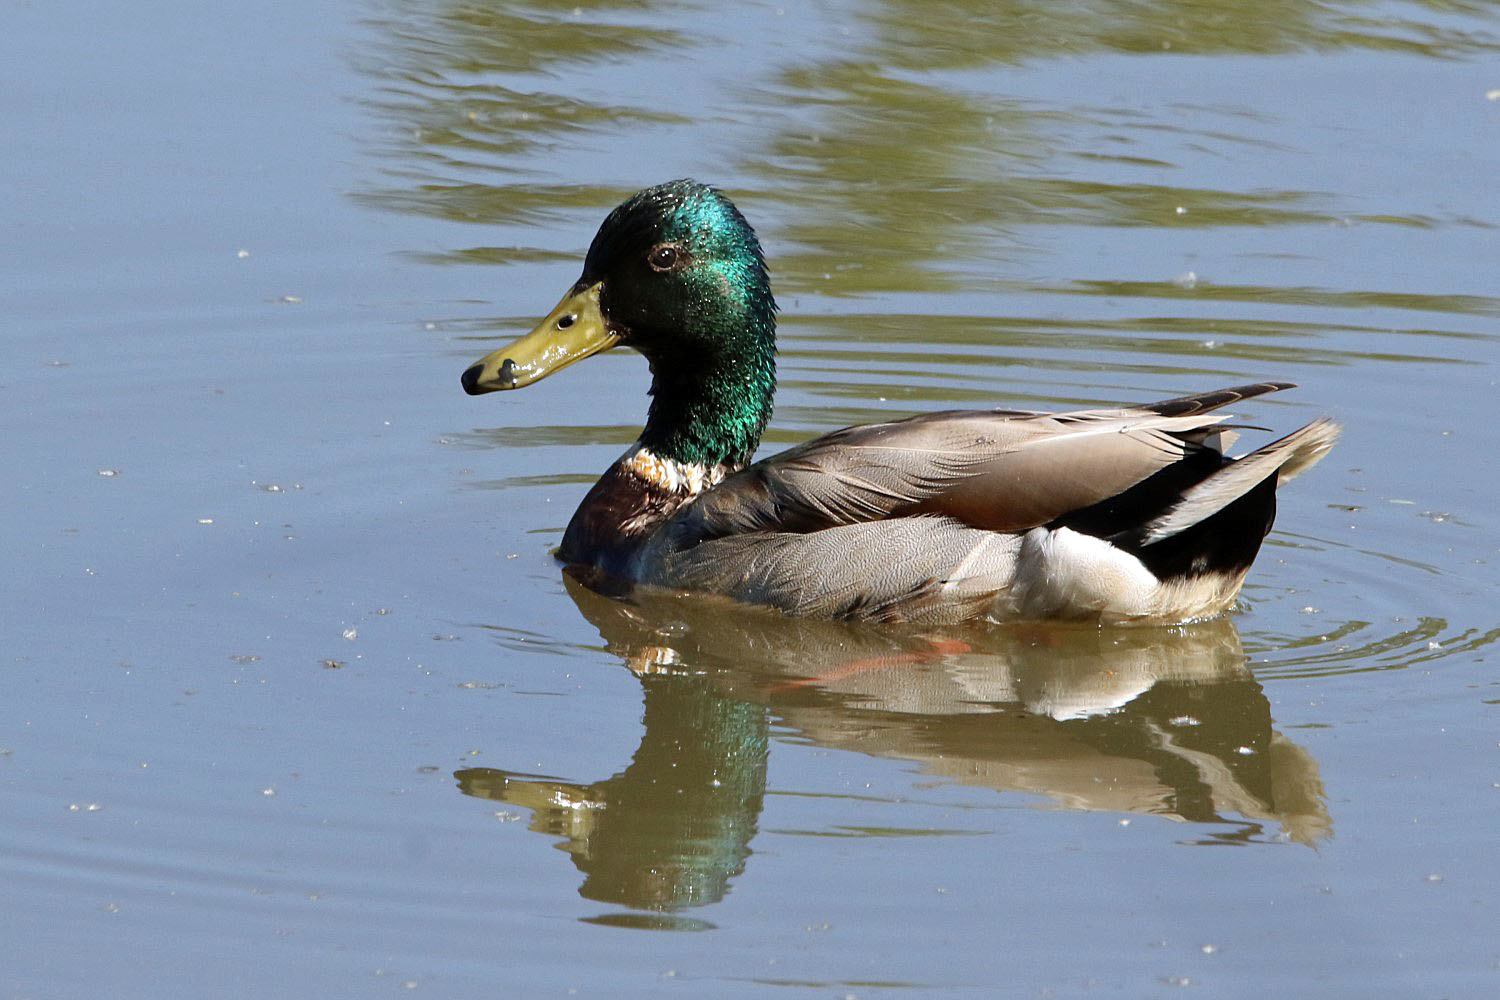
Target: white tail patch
[(1066, 574)]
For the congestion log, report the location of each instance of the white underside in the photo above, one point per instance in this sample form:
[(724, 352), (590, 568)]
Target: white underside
[(1064, 574)]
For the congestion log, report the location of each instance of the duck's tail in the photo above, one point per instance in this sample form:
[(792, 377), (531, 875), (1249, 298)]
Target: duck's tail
[(1285, 458)]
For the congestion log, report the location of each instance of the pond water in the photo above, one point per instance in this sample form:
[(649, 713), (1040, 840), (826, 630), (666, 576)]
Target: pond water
[(296, 701)]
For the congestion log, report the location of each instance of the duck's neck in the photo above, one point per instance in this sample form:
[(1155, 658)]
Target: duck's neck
[(704, 423), (711, 411)]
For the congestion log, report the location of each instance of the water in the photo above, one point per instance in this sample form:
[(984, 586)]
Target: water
[(298, 703)]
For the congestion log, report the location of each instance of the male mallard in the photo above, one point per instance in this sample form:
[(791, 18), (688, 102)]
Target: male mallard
[(1130, 514)]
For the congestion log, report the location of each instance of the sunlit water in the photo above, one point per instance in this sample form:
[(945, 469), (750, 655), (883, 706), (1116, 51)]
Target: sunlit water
[(297, 702)]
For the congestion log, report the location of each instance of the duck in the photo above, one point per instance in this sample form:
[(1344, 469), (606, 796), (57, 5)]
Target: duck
[(1134, 514)]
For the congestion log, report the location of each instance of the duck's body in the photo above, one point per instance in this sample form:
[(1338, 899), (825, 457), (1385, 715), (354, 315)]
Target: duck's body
[(1118, 515)]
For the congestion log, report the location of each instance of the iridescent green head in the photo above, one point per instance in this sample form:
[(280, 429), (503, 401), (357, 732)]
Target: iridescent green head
[(676, 273)]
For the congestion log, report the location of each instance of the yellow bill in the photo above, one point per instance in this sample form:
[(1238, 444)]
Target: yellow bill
[(572, 331)]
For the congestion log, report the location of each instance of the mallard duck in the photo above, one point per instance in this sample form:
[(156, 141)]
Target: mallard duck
[(1116, 515)]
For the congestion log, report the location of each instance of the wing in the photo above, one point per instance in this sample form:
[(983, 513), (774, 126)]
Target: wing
[(1004, 471)]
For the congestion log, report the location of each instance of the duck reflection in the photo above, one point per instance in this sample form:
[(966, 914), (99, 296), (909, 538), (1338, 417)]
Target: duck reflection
[(1167, 722)]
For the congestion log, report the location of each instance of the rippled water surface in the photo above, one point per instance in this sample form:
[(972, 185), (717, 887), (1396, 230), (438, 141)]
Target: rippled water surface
[(297, 702)]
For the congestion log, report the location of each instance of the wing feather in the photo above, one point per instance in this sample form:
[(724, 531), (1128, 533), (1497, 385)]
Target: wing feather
[(997, 470)]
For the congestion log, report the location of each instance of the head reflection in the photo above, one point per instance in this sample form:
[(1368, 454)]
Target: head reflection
[(672, 828)]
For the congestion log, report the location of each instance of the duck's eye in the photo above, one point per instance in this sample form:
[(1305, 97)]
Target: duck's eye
[(662, 257)]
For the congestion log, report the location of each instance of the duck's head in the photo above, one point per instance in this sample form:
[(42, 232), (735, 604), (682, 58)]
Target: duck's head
[(676, 273)]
